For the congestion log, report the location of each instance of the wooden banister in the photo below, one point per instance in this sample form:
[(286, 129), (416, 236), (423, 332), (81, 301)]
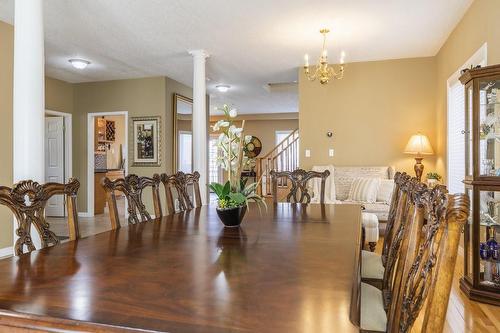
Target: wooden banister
[(283, 157)]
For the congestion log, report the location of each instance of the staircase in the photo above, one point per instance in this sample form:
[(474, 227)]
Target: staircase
[(283, 157)]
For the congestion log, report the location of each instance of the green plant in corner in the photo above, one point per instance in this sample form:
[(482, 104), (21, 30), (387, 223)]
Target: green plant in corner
[(434, 175), (235, 192)]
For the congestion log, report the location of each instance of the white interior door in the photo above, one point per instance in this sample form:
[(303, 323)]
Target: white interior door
[(54, 161)]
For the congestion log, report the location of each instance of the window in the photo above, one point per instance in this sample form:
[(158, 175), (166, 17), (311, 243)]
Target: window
[(456, 143), (456, 124), (213, 152), (185, 151), (281, 135)]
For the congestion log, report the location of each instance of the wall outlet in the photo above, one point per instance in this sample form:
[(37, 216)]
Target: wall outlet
[(331, 152), (308, 153)]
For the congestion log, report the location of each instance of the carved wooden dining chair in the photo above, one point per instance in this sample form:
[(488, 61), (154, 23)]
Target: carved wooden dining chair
[(424, 274), (299, 178), (373, 264), (132, 187), (27, 201), (182, 182)]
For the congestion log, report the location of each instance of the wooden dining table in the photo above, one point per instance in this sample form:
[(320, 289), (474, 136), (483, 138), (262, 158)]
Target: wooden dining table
[(290, 268)]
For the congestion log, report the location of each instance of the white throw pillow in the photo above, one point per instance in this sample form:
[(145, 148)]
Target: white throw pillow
[(385, 190), (364, 190), (329, 184)]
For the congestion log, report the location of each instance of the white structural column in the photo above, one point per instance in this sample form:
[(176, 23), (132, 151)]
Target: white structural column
[(200, 123), (29, 93)]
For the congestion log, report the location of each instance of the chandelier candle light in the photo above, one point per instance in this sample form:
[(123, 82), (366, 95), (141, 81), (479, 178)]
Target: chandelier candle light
[(323, 71)]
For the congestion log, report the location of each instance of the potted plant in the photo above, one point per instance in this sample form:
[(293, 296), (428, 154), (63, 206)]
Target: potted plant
[(433, 178), (232, 196)]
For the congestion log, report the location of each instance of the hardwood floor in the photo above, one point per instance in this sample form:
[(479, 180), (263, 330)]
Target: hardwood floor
[(88, 225), (463, 314)]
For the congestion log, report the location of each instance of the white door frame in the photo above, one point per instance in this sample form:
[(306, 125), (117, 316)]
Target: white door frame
[(68, 141), (90, 154)]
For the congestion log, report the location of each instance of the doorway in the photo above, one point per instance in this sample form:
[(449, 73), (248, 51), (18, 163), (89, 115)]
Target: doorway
[(58, 156), (107, 155)]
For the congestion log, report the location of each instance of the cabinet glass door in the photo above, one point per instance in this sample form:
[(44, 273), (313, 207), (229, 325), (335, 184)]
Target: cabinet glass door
[(468, 130), (489, 229), (489, 128), (468, 239)]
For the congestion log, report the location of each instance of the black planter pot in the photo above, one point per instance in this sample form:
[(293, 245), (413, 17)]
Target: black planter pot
[(232, 217)]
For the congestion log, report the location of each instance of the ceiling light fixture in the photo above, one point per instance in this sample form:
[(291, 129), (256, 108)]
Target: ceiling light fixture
[(323, 71), (223, 87), (79, 63)]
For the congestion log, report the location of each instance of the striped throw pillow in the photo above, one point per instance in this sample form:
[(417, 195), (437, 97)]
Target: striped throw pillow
[(364, 190)]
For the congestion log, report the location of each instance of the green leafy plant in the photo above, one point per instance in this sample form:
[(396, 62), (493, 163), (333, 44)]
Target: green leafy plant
[(235, 192), (227, 198), (434, 175)]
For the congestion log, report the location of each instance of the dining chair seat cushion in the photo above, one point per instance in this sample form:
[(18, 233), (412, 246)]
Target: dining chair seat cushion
[(373, 315), (371, 265), (369, 221)]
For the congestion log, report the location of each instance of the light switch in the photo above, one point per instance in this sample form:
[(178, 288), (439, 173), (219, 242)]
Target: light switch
[(308, 153), (331, 152)]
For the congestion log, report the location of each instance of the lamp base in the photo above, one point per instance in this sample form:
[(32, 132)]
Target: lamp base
[(419, 168)]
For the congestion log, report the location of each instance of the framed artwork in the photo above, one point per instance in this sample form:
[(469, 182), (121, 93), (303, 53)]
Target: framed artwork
[(146, 143)]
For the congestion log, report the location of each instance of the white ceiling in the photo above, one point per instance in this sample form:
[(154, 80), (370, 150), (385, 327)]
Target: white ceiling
[(251, 43)]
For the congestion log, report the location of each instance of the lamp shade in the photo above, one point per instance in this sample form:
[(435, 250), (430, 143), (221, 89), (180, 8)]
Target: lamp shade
[(419, 145)]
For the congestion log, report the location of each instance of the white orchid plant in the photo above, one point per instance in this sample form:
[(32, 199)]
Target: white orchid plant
[(231, 142)]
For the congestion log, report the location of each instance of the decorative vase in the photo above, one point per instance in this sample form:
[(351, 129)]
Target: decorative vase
[(232, 217), (431, 182), (484, 251)]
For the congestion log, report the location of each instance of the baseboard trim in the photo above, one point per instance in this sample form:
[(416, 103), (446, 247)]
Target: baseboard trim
[(6, 251), (84, 214)]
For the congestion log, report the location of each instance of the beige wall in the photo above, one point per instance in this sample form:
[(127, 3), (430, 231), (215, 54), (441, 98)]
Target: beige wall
[(479, 25), (372, 113), (59, 95), (6, 74), (140, 97)]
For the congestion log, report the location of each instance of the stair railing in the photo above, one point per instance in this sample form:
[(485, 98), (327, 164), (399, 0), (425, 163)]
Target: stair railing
[(283, 157)]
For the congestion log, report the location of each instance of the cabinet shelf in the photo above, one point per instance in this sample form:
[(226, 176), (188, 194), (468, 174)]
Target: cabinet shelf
[(104, 131)]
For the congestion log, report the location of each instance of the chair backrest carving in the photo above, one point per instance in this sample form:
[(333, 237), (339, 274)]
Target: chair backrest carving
[(402, 213), (399, 179), (181, 182), (299, 192), (132, 186), (393, 276), (428, 270), (28, 199)]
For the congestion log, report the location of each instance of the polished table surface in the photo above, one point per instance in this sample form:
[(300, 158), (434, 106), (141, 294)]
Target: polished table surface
[(292, 268)]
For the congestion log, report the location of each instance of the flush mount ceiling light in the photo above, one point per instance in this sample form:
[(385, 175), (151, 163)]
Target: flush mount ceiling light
[(79, 63), (223, 87)]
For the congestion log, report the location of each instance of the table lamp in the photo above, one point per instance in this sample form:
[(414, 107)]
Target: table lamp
[(418, 145)]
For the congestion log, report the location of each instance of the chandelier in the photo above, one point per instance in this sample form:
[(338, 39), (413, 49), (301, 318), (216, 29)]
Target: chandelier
[(323, 72)]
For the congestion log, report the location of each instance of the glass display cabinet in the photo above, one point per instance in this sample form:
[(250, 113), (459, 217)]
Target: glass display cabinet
[(481, 280)]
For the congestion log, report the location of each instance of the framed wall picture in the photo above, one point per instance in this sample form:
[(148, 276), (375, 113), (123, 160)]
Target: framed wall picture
[(146, 145)]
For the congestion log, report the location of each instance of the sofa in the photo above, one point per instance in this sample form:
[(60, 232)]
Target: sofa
[(337, 188)]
